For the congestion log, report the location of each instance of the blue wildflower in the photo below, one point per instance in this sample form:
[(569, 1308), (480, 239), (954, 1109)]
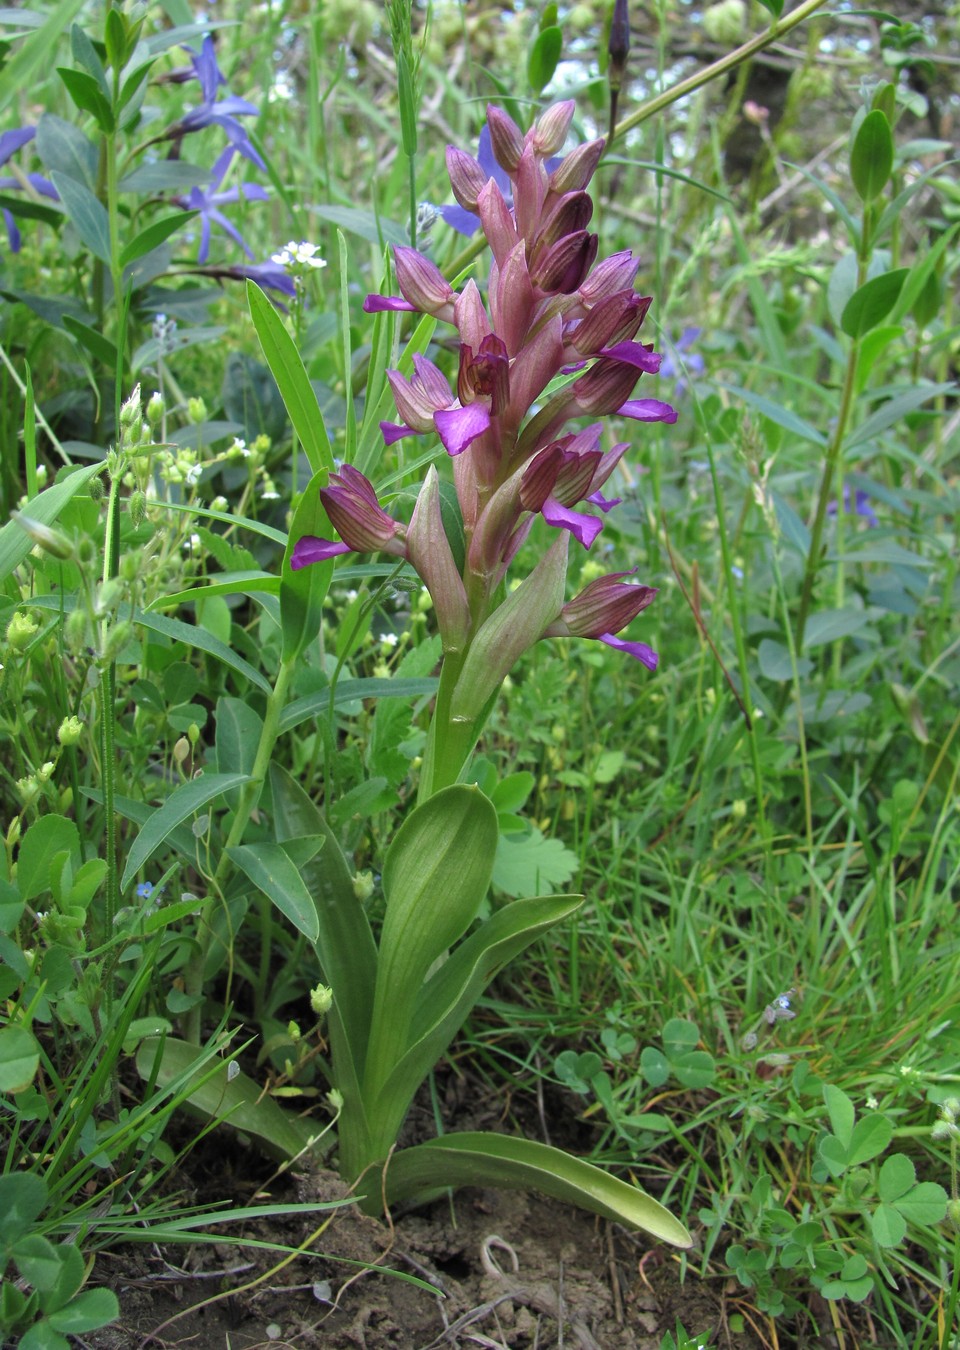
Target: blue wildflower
[(213, 111), (692, 363), (861, 506), (207, 201), (10, 143), (144, 890)]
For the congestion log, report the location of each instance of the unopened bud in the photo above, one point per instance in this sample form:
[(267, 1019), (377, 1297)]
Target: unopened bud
[(467, 178), (363, 886), (293, 1031), (130, 412), (552, 127), (506, 138), (21, 630), (117, 638), (138, 507), (321, 1000), (155, 409), (196, 410), (51, 541), (70, 731), (181, 750)]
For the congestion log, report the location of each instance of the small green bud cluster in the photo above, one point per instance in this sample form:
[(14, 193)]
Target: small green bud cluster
[(321, 1000), (21, 630)]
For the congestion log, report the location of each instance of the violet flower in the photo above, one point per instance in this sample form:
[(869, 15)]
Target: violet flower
[(214, 111), (207, 201), (508, 423), (861, 506), (692, 363), (10, 143)]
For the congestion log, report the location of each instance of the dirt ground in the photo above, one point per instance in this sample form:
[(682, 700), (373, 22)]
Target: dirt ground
[(487, 1268)]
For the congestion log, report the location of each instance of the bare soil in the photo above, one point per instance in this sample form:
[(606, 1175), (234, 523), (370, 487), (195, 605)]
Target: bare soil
[(495, 1269)]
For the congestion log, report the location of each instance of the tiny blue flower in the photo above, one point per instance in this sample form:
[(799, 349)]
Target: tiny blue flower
[(145, 890)]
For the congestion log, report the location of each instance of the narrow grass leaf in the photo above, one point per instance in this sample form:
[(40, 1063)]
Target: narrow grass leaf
[(154, 235), (348, 691), (894, 410)]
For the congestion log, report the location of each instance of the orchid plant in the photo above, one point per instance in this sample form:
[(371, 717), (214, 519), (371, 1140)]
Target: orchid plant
[(557, 345)]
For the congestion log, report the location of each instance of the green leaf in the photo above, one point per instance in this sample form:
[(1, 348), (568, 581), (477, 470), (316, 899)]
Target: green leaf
[(922, 272), (194, 636), (925, 1204), (364, 224), (871, 303), (830, 625), (871, 159), (871, 1136), (88, 215), (115, 39), (272, 870), (348, 691), (895, 409), (239, 728), (528, 863), (896, 1177), (773, 658), (183, 801), (783, 417), (19, 1059), (23, 1196), (505, 1162), (154, 234), (37, 1261), (100, 347), (288, 370), (345, 946), (888, 1225), (45, 508), (35, 55), (454, 989), (91, 1309), (45, 838), (88, 96), (42, 1336), (251, 582), (544, 58), (841, 1113), (167, 175), (302, 592), (435, 876), (216, 1095), (833, 1154)]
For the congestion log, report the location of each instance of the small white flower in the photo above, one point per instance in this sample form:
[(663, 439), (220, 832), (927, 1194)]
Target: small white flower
[(389, 640), (872, 1103), (194, 542), (192, 476)]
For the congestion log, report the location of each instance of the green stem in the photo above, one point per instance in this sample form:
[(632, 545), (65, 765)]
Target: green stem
[(249, 797), (826, 486), (774, 33), (108, 747)]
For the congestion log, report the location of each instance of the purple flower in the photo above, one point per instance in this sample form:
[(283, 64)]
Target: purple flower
[(212, 111), (601, 610), (265, 274), (207, 202), (463, 219), (10, 143), (861, 506), (693, 364), (351, 503)]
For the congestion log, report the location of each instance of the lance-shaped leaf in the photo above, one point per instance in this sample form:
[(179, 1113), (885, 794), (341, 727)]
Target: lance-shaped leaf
[(183, 801), (274, 872), (345, 946), (287, 368), (479, 1159), (453, 990), (435, 876)]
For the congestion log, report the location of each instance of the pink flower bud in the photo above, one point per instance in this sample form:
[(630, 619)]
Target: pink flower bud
[(613, 319), (575, 170), (467, 178), (565, 264), (422, 283), (552, 126), (605, 606), (613, 274), (497, 222), (506, 138), (351, 503), (570, 214)]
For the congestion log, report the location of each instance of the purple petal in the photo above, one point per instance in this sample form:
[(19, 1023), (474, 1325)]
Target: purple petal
[(459, 427), (460, 219), (583, 528), (12, 141), (377, 304), (647, 410), (635, 354), (394, 431), (598, 499), (310, 549), (639, 650)]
